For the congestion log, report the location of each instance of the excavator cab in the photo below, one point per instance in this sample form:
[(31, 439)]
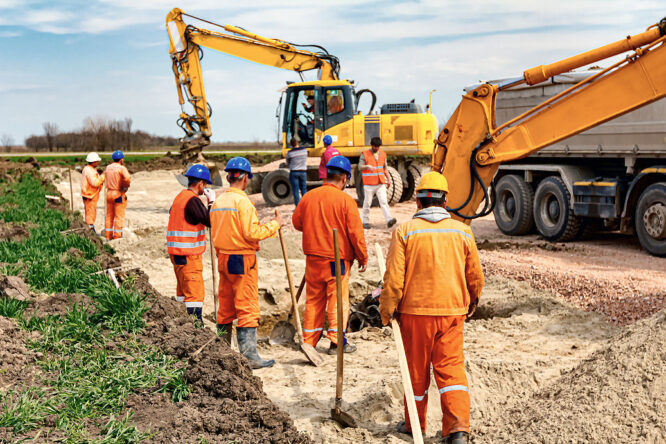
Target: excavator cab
[(313, 107)]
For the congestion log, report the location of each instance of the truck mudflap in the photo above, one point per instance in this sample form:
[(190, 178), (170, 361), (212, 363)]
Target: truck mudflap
[(599, 198)]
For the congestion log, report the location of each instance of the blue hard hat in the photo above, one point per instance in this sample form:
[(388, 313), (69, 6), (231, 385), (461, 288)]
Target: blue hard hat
[(117, 155), (340, 163), (239, 164), (199, 172), (328, 140)]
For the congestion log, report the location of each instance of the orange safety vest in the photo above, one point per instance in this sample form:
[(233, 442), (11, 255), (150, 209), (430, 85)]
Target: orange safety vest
[(184, 239), (375, 176)]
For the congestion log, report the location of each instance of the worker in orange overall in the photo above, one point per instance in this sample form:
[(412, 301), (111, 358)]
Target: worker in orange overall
[(186, 239), (317, 214), (374, 174), (117, 184), (432, 283), (91, 185), (236, 234)]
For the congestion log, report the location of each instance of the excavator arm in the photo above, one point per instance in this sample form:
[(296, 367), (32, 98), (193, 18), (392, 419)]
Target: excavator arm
[(470, 148), (185, 43)]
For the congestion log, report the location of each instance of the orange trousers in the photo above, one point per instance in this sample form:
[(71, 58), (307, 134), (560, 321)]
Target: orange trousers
[(437, 340), (238, 292), (115, 214), (189, 275), (90, 208), (320, 299)]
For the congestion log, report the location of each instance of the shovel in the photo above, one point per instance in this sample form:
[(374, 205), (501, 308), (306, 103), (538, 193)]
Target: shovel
[(404, 369), (343, 418), (284, 331), (309, 351), (214, 270)]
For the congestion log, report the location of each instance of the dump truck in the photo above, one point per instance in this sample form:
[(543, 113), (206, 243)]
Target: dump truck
[(565, 151)]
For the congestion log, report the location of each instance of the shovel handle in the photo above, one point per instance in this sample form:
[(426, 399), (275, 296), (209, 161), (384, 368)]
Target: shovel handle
[(338, 294), (214, 270), (294, 302)]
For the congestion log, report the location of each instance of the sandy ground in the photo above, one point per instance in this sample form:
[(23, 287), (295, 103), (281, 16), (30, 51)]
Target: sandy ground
[(521, 340)]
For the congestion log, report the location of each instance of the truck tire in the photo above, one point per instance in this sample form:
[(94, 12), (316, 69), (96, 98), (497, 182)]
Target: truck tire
[(276, 188), (553, 215), (393, 192), (514, 200), (650, 219), (414, 174)]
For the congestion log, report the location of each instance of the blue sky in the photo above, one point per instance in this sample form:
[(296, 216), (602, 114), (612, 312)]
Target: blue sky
[(65, 60)]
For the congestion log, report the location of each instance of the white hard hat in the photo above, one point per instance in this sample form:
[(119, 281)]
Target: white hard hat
[(93, 157)]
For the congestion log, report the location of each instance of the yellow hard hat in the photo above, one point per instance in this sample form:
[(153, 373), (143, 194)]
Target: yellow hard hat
[(433, 181)]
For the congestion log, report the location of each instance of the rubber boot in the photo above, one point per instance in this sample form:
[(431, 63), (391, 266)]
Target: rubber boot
[(458, 438), (197, 313), (225, 331), (247, 344)]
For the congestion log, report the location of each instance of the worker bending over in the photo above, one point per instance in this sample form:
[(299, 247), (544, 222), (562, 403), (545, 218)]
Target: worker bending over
[(329, 153), (319, 212), (91, 185), (117, 184), (432, 283), (374, 173), (186, 238), (236, 235)]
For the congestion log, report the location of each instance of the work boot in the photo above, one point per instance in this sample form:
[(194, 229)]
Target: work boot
[(402, 428), (392, 222), (196, 312), (457, 438), (224, 331), (367, 226), (247, 344), (347, 348)]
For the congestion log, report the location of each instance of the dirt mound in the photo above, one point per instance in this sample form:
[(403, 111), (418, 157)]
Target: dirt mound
[(226, 401), (618, 394), (13, 232), (14, 287), (15, 357), (60, 303)]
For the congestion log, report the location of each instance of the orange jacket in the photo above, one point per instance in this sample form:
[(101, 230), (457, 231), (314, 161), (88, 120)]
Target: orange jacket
[(235, 225), (91, 182), (323, 209), (433, 268), (376, 174), (117, 179), (183, 238)]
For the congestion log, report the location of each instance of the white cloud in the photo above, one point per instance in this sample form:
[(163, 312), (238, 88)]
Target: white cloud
[(9, 34)]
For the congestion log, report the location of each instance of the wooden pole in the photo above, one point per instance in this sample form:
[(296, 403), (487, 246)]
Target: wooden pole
[(214, 269), (71, 190)]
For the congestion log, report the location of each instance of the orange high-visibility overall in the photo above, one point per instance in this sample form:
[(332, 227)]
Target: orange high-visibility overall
[(433, 274), (186, 243), (91, 185), (236, 234), (117, 183), (318, 212)]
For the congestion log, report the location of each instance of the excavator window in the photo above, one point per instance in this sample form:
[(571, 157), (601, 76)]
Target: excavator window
[(339, 105), (299, 116), (335, 101)]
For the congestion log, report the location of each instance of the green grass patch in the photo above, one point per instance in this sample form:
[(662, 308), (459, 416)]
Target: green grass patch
[(91, 358)]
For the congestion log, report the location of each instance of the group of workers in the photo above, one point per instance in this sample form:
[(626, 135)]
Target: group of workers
[(432, 283), (117, 179)]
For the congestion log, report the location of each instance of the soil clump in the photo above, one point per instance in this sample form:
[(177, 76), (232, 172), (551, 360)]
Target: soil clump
[(13, 232)]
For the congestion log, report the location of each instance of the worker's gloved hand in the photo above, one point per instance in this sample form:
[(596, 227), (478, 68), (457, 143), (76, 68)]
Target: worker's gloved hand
[(472, 308), (100, 171), (279, 220), (362, 268), (210, 195)]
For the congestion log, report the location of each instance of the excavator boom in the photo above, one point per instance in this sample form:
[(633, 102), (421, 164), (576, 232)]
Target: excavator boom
[(185, 43), (470, 148)]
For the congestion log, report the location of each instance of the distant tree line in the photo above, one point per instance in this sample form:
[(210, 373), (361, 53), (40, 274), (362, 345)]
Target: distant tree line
[(97, 133)]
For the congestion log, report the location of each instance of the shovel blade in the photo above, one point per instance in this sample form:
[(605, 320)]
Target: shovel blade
[(283, 333), (343, 418), (313, 356)]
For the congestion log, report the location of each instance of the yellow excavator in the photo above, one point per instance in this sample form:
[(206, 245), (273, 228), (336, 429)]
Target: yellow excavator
[(309, 109), (471, 147)]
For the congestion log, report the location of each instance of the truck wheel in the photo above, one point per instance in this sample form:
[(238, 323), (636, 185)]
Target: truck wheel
[(514, 199), (414, 174), (393, 192), (650, 219), (276, 188), (553, 215)]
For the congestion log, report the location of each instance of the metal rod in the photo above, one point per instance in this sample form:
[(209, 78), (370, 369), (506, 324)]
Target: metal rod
[(71, 190)]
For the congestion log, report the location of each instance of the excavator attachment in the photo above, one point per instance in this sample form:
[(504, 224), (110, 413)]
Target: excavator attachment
[(191, 151)]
